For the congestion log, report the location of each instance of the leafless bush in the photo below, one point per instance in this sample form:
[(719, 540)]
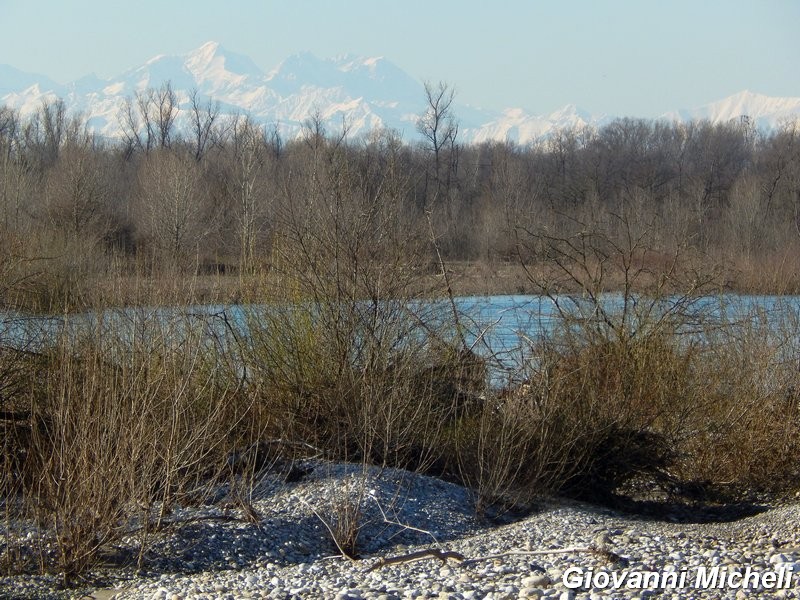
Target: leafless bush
[(347, 357), (746, 437), (656, 384), (343, 515), (384, 394), (124, 420)]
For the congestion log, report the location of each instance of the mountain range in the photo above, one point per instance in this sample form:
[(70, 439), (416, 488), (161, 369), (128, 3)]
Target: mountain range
[(365, 93)]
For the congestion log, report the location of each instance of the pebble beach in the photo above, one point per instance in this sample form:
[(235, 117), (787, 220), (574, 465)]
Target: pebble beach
[(419, 537)]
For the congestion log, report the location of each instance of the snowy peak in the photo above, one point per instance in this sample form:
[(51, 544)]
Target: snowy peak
[(372, 74), (213, 62), (750, 103), (362, 93), (766, 112), (299, 70), (571, 113), (350, 63), (210, 67), (14, 80), (380, 79)]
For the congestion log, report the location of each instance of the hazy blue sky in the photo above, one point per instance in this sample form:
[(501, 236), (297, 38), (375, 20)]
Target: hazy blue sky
[(632, 57)]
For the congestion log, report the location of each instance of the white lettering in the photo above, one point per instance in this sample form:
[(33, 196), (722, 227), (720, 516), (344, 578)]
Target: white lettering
[(618, 579), (650, 579), (785, 581), (671, 579), (750, 578), (768, 579), (572, 578), (635, 581), (601, 580), (706, 580), (735, 580), (716, 577)]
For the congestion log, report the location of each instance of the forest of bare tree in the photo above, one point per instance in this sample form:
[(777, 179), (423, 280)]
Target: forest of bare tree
[(196, 192)]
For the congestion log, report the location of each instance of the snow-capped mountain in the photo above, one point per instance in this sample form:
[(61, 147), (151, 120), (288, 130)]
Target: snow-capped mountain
[(516, 125), (364, 93), (765, 112)]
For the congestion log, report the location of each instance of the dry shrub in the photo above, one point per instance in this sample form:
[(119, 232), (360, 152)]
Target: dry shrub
[(662, 413), (591, 414), (343, 516), (48, 271), (123, 423), (625, 398), (747, 436), (367, 383)]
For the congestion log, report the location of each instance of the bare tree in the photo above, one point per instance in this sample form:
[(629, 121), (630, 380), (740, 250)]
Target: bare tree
[(148, 119), (249, 154), (53, 116), (76, 192), (130, 127), (202, 121), (9, 152), (143, 105), (170, 211), (166, 111), (439, 128)]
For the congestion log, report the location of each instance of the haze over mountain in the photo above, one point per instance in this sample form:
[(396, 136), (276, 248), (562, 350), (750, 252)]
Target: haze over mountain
[(365, 93)]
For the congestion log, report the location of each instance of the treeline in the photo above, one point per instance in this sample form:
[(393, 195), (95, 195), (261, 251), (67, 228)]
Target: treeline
[(196, 191)]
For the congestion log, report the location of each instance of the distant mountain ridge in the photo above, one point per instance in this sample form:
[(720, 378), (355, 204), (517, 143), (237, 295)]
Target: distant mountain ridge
[(765, 112), (365, 93)]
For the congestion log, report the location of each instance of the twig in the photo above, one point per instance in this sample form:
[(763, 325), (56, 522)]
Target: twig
[(585, 550), (450, 294), (389, 521), (294, 443)]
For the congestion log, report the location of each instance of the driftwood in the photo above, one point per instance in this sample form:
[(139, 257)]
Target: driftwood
[(444, 556)]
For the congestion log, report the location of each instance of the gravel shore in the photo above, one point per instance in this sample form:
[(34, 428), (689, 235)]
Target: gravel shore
[(284, 548)]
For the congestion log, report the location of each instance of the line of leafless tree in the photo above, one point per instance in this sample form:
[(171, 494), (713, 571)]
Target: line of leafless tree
[(194, 190)]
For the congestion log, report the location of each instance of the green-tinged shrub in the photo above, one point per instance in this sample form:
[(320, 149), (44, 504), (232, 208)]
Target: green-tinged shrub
[(360, 381)]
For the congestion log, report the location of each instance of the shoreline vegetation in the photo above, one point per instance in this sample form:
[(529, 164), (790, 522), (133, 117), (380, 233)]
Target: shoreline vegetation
[(189, 193), (107, 432)]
